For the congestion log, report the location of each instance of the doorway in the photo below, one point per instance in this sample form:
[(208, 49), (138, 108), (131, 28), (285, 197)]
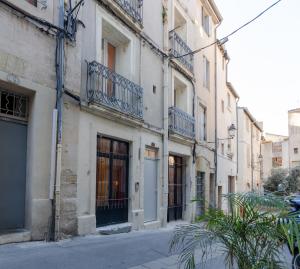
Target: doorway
[(150, 185), (13, 145), (200, 193), (13, 151), (175, 196), (111, 181)]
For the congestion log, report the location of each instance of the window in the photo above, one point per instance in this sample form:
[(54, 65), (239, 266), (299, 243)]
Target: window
[(206, 22), (247, 124), (295, 150), (222, 148), (229, 147), (220, 194), (248, 156), (222, 105), (154, 89), (206, 73), (276, 162), (33, 2), (203, 119), (200, 193), (13, 105), (228, 100), (276, 147)]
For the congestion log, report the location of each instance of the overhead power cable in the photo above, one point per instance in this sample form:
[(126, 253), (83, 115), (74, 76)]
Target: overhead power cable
[(225, 38)]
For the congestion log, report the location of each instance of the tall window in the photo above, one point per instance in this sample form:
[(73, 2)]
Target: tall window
[(228, 100), (222, 149), (206, 72), (247, 124), (248, 156), (223, 106), (33, 2), (206, 22), (296, 150), (203, 120)]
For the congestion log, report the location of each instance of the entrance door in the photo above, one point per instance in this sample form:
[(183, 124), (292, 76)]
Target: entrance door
[(200, 192), (112, 181), (212, 190), (13, 141), (150, 185), (175, 205)]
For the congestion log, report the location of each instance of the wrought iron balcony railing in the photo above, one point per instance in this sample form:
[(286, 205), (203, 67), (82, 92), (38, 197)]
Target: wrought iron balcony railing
[(134, 8), (106, 87), (181, 123), (178, 48)]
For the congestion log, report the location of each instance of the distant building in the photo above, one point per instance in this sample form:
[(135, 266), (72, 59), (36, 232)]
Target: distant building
[(294, 137), (275, 153), (249, 152)]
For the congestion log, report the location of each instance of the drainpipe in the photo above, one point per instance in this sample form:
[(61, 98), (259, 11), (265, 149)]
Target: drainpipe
[(237, 136), (216, 118), (252, 165), (59, 107), (165, 111)]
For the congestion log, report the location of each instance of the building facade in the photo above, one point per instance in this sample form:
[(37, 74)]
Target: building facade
[(249, 152), (226, 111), (145, 123), (294, 137), (28, 99), (275, 153)]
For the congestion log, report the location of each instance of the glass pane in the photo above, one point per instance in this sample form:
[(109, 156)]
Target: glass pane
[(119, 190), (102, 191), (120, 148), (150, 153), (171, 196), (103, 145), (171, 175)]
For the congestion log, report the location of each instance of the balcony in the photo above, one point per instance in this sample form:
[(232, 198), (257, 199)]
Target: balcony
[(178, 48), (107, 88), (134, 8), (181, 123)]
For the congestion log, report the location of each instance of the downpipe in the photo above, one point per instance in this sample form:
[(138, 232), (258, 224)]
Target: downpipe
[(165, 112), (59, 107)]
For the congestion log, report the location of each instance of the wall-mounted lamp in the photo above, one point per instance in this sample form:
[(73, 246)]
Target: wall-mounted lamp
[(231, 130)]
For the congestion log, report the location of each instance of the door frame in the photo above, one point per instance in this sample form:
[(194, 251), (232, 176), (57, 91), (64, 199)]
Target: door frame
[(183, 186), (156, 159), (21, 118), (111, 158)]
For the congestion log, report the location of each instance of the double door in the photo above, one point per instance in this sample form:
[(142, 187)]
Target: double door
[(112, 181)]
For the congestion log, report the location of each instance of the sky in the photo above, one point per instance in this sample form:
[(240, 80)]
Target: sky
[(264, 63)]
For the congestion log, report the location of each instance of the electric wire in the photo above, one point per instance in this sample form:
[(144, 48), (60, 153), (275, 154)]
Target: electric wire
[(232, 33)]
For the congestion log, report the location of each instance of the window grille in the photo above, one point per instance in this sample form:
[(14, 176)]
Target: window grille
[(13, 105)]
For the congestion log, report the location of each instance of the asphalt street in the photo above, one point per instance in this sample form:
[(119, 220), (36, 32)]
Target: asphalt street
[(135, 250)]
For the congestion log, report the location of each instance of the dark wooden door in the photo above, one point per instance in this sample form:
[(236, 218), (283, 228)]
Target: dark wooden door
[(175, 196), (112, 181)]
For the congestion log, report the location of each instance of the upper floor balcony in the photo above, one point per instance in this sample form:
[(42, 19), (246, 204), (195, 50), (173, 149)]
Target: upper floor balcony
[(130, 11), (134, 8), (107, 88), (181, 123), (179, 48)]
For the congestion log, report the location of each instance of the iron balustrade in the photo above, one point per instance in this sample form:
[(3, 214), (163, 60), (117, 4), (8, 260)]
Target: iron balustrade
[(181, 123), (106, 87), (178, 48), (134, 8)]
